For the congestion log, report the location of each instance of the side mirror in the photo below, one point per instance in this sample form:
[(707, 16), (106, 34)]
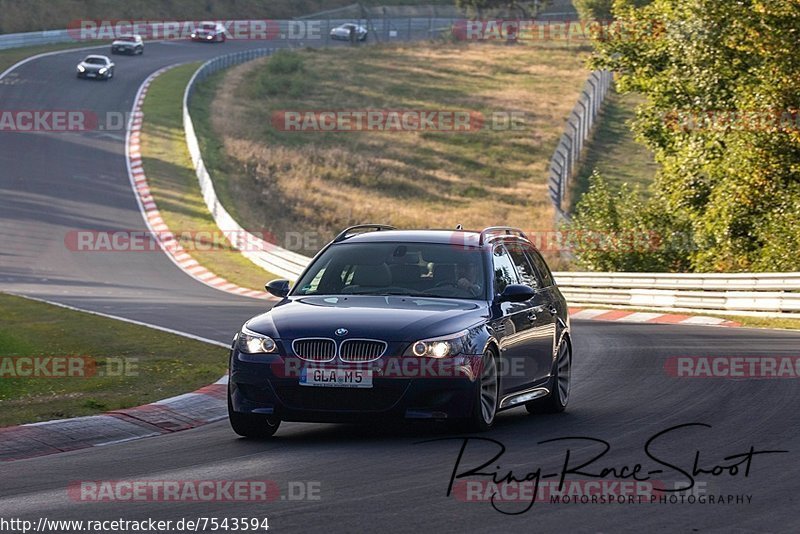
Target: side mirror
[(279, 288), (517, 293)]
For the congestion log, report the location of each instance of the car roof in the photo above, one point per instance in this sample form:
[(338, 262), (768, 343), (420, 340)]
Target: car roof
[(445, 237)]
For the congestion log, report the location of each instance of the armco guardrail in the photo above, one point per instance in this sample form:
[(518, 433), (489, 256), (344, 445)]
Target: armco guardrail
[(564, 163), (17, 40), (737, 294), (266, 255)]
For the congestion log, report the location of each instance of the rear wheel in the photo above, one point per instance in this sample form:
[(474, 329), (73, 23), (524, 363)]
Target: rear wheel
[(252, 425), (560, 385), (487, 393)]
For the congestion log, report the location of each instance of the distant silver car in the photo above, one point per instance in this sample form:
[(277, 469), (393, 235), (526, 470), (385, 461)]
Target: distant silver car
[(98, 67), (209, 32), (342, 33), (128, 44)]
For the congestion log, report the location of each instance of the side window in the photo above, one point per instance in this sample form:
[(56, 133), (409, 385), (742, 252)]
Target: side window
[(504, 271), (527, 274), (541, 267)]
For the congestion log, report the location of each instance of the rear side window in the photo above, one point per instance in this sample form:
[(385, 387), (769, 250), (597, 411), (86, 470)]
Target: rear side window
[(525, 270), (540, 266), (505, 273)]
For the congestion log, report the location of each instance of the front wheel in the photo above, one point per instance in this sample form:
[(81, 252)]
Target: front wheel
[(487, 394), (252, 425), (560, 385)]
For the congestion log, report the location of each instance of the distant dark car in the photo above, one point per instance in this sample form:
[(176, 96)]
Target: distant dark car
[(209, 32), (342, 33), (130, 44), (433, 324), (98, 67)]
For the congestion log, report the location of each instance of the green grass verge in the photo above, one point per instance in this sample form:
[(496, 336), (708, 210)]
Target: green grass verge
[(159, 364), (14, 55), (174, 184), (613, 151)]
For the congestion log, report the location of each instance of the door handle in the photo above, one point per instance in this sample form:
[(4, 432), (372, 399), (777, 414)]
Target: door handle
[(531, 316), (553, 310)]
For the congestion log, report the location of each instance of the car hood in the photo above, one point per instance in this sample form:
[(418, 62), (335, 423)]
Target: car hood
[(91, 66), (390, 318)]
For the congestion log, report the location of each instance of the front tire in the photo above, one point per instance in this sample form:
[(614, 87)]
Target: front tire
[(557, 400), (251, 425), (487, 395)]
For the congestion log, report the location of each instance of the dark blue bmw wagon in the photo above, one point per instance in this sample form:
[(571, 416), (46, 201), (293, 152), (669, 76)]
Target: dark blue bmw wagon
[(409, 324)]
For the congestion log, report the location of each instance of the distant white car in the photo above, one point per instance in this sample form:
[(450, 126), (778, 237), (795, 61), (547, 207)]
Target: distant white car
[(128, 44), (209, 32), (98, 67), (342, 33)]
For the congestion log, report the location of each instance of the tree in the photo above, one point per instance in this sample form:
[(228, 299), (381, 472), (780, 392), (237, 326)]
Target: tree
[(616, 230), (522, 8), (722, 88)]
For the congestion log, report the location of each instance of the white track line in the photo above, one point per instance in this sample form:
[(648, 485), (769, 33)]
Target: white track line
[(126, 320)]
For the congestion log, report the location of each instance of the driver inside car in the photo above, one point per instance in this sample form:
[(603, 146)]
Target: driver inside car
[(468, 278)]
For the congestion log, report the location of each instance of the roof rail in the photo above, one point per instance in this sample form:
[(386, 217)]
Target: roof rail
[(347, 232), (505, 230)]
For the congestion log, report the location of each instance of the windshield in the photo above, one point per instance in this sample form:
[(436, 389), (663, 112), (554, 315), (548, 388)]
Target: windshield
[(409, 269), (95, 61), (127, 39)]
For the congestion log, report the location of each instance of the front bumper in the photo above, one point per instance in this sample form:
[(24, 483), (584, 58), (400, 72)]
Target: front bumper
[(269, 384), (93, 75)]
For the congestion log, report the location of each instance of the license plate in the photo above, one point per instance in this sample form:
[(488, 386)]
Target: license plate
[(91, 75), (336, 378)]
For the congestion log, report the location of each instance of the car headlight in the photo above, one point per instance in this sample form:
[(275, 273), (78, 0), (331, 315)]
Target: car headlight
[(254, 343), (209, 36), (103, 70), (439, 347), (81, 68), (193, 35)]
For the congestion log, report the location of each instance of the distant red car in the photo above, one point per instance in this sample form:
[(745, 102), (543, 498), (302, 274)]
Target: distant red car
[(209, 32)]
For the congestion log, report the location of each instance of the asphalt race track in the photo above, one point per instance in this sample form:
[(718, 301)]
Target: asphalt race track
[(369, 478)]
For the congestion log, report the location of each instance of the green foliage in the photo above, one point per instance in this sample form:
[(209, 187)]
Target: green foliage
[(619, 231), (735, 183), (520, 8), (284, 75), (601, 9), (594, 9)]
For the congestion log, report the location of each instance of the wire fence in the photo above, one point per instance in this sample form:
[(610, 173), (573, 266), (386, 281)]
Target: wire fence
[(565, 161)]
